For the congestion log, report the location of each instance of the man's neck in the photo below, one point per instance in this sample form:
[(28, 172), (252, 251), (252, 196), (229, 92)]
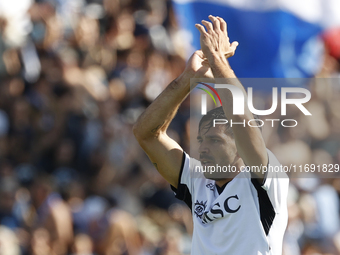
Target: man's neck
[(222, 182), (239, 163)]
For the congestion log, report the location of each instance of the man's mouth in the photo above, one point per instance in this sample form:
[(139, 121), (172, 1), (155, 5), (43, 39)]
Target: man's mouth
[(206, 161)]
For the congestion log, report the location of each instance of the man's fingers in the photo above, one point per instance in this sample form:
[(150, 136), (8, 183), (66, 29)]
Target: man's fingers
[(200, 28), (216, 22), (199, 53), (208, 25), (205, 62), (223, 24)]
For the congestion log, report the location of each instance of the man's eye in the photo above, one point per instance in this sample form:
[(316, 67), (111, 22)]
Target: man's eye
[(215, 140), (199, 141)]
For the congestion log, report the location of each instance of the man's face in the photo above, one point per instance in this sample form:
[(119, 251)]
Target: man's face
[(216, 148)]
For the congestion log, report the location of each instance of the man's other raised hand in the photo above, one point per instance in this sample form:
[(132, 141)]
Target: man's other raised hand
[(214, 39)]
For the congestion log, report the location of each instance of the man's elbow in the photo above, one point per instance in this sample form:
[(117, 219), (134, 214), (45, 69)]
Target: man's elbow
[(137, 132), (141, 134)]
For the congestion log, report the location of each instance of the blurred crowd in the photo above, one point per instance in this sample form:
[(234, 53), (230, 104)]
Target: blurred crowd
[(74, 77)]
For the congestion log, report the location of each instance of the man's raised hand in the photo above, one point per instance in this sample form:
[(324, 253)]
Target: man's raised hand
[(214, 38), (199, 65)]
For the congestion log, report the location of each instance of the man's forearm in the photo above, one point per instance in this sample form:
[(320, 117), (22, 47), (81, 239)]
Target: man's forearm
[(221, 69), (157, 117), (217, 48)]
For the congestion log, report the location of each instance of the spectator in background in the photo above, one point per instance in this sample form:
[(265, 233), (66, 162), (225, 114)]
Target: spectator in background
[(51, 220)]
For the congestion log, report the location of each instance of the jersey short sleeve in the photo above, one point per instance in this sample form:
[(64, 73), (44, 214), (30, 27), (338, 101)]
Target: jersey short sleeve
[(185, 187), (276, 183)]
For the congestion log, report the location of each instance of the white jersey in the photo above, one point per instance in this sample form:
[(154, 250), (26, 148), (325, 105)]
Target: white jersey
[(246, 218)]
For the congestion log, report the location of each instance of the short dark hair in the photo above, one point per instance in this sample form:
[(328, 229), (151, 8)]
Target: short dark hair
[(218, 113)]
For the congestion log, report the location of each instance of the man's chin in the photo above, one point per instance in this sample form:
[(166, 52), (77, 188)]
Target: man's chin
[(207, 164), (218, 176)]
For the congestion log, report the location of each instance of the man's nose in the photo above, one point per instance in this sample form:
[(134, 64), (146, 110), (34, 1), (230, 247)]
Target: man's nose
[(203, 148)]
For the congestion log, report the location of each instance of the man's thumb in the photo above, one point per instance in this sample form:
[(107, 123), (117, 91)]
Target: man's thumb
[(199, 53), (234, 45)]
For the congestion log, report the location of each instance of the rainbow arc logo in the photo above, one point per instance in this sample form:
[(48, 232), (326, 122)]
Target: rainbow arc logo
[(209, 93)]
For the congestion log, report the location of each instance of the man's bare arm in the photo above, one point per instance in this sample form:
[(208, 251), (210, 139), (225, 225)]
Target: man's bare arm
[(150, 129), (215, 44)]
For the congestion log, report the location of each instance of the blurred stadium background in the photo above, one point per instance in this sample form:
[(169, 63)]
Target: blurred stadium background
[(75, 75)]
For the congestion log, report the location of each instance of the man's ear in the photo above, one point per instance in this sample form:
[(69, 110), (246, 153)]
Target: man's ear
[(238, 155)]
